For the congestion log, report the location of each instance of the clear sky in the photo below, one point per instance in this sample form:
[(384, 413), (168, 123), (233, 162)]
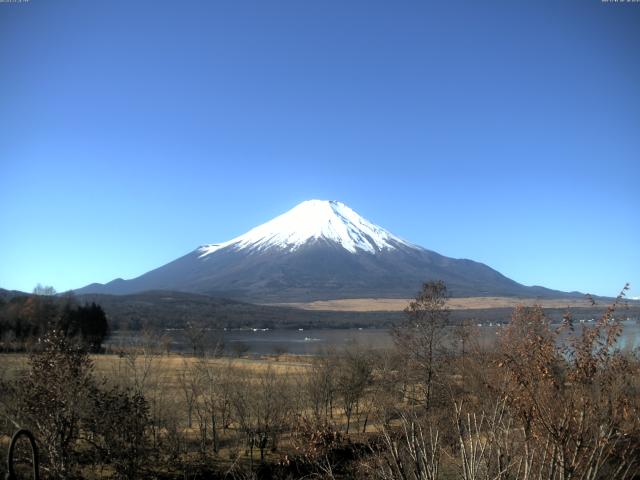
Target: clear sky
[(507, 132)]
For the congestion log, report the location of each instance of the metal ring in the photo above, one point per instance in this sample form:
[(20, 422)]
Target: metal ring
[(11, 474)]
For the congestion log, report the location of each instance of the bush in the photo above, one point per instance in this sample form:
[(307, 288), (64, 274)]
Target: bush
[(60, 400)]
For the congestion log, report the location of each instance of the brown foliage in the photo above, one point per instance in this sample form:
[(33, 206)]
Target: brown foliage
[(572, 394)]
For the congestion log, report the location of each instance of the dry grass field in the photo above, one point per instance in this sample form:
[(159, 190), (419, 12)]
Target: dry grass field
[(399, 304), (177, 393), (13, 363)]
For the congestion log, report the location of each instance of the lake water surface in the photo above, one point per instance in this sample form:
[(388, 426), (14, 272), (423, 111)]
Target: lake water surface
[(311, 342)]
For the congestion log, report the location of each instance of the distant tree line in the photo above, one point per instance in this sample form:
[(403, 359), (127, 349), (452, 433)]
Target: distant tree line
[(24, 319), (161, 310)]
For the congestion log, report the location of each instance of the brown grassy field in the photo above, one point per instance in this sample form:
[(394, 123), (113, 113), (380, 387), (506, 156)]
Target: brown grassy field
[(161, 376), (468, 303), (13, 362), (165, 380)]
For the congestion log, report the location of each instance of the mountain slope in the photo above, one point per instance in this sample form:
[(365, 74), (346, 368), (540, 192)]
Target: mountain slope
[(318, 250)]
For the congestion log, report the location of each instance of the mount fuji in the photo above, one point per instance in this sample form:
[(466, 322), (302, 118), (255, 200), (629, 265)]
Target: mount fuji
[(319, 250)]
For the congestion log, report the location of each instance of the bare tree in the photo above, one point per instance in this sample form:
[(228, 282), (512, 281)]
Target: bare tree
[(321, 386), (411, 453), (279, 350), (46, 290), (420, 337), (262, 409), (464, 342), (354, 377), (188, 381), (195, 332)]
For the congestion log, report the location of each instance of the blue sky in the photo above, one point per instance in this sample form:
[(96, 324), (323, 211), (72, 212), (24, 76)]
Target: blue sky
[(505, 132)]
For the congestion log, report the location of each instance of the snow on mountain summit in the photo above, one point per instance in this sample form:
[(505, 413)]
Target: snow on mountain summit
[(314, 220)]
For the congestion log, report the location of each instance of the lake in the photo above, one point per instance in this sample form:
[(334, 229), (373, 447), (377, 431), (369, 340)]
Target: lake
[(308, 342)]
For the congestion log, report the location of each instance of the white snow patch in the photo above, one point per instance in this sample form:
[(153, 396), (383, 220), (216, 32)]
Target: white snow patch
[(313, 220)]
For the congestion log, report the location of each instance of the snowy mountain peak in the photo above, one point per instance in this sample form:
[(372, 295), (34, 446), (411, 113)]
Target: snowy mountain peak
[(314, 220)]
